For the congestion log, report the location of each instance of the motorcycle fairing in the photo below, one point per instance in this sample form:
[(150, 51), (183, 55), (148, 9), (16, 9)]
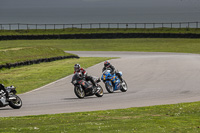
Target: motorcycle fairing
[(112, 79), (85, 84), (3, 102)]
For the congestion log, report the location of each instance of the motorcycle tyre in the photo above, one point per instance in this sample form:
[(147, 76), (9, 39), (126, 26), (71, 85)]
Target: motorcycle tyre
[(122, 88), (100, 93), (76, 89), (12, 102), (109, 88)]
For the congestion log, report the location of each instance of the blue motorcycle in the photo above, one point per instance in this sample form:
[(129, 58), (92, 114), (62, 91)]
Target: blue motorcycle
[(114, 82)]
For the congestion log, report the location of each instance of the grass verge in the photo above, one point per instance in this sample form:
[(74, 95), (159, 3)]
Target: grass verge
[(97, 30), (144, 44), (27, 78), (178, 118), (166, 118), (13, 55)]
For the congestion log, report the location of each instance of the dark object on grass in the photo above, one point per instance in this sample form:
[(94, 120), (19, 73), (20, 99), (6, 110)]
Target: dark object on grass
[(37, 61)]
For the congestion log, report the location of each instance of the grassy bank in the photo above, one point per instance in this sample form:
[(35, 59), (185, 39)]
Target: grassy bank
[(13, 55), (31, 73), (97, 30), (178, 118), (31, 77), (144, 44)]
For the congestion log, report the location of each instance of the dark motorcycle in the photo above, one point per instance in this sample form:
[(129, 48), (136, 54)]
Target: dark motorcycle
[(83, 88), (13, 101)]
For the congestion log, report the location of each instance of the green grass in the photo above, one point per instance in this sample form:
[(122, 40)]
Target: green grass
[(97, 30), (27, 78), (13, 55), (144, 44), (20, 48), (178, 118)]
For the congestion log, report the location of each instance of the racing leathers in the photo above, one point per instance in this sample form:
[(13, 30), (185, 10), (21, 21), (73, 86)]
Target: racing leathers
[(110, 67), (84, 74), (2, 87), (112, 70)]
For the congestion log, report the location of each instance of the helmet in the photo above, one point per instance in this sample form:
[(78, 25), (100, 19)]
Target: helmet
[(107, 63), (77, 67)]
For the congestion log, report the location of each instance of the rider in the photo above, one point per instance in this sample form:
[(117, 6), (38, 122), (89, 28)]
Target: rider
[(107, 65), (2, 87), (78, 68)]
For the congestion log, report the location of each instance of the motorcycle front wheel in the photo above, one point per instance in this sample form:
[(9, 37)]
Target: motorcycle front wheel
[(99, 92), (124, 86), (109, 87), (15, 103), (80, 93)]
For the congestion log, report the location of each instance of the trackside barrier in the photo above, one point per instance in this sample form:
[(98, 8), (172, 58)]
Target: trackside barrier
[(100, 36), (22, 26), (37, 61)]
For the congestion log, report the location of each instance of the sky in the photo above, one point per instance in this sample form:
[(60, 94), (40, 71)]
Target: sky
[(80, 11), (5, 4)]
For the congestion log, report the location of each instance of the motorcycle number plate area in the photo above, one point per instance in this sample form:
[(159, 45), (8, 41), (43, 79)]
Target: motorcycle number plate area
[(104, 77), (84, 83)]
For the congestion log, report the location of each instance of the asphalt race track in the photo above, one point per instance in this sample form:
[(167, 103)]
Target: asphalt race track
[(152, 78)]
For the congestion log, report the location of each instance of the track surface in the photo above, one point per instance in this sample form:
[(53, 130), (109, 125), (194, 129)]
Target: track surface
[(152, 78)]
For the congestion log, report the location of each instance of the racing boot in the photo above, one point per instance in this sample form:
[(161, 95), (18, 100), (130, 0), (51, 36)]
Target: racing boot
[(7, 96), (94, 89), (94, 86), (7, 99)]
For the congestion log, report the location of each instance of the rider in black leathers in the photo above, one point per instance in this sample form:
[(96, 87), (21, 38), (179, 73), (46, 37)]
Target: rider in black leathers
[(78, 68), (107, 65), (2, 87)]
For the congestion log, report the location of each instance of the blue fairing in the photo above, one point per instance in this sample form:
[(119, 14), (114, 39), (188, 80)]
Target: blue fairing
[(112, 79)]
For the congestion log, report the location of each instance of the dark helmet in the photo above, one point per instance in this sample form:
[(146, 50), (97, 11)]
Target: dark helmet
[(77, 67), (107, 63)]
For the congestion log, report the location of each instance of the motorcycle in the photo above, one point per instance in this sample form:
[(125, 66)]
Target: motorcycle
[(13, 101), (83, 88), (114, 82)]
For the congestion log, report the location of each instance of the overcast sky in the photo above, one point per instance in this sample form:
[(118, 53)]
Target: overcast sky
[(97, 3), (82, 11)]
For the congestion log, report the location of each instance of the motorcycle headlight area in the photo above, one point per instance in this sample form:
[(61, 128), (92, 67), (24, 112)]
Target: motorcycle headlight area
[(74, 82)]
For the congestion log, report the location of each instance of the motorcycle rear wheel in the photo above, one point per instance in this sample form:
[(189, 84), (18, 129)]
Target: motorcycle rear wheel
[(80, 93), (15, 103)]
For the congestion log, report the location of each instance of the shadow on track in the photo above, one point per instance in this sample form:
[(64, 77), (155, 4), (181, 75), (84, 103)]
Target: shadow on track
[(88, 97), (106, 93), (6, 108)]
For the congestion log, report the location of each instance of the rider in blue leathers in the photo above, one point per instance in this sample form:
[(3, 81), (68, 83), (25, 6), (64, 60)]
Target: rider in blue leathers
[(107, 65)]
